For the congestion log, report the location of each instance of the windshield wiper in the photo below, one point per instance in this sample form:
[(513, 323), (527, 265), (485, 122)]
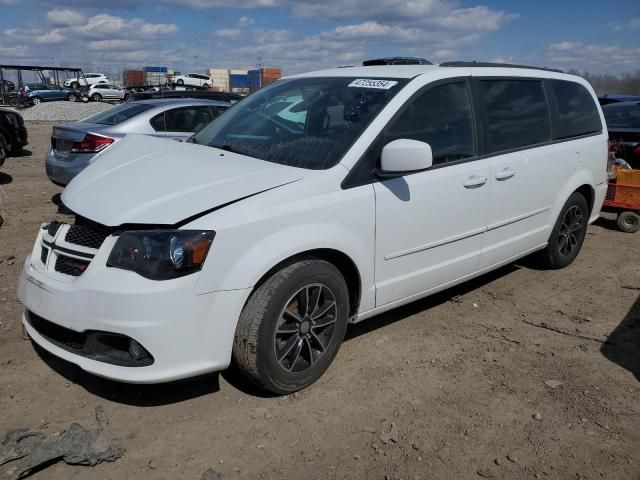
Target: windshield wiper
[(192, 139)]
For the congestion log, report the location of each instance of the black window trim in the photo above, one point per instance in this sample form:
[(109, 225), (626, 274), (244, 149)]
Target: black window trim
[(354, 178)]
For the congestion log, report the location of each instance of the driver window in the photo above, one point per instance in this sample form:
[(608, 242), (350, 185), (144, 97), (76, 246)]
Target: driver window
[(442, 117)]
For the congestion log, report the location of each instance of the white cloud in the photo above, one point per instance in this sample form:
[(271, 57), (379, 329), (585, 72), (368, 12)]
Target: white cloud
[(228, 32), (631, 24), (246, 21), (592, 56), (65, 18)]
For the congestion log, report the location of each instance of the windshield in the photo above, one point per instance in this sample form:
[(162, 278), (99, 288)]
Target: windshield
[(304, 122), (623, 116), (119, 114)]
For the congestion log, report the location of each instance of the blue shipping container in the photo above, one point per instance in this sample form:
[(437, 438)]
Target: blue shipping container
[(239, 81), (156, 69), (254, 80)]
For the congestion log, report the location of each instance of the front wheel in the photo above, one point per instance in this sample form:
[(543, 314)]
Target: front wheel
[(180, 82), (628, 221), (72, 97), (36, 100), (568, 233), (292, 326), (96, 97)]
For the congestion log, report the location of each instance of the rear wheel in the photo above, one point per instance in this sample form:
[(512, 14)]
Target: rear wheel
[(292, 326), (36, 100), (96, 97), (568, 233), (180, 82), (628, 221), (75, 85), (72, 97)]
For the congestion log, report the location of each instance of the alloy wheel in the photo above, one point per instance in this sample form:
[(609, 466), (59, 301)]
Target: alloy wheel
[(570, 228), (305, 327)]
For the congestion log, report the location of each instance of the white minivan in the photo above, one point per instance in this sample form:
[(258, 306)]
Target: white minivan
[(321, 200)]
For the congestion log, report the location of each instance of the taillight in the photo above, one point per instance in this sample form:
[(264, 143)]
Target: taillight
[(91, 144), (636, 150)]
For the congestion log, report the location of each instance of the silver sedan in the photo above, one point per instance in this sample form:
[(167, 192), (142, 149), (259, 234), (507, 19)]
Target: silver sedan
[(75, 145)]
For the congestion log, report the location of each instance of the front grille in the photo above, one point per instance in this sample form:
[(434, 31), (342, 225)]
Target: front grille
[(107, 347), (87, 236), (70, 266), (53, 227), (44, 254)]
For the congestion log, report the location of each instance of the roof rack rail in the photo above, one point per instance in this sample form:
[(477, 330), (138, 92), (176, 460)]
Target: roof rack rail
[(396, 61), (502, 65)]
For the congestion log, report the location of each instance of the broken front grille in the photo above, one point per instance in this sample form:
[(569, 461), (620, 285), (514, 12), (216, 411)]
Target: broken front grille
[(70, 266)]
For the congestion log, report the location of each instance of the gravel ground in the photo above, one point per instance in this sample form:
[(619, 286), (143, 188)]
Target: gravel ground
[(63, 111), (462, 385)]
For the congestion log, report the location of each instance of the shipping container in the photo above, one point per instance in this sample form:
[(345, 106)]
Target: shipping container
[(264, 76), (152, 78), (238, 72), (155, 69), (239, 80), (133, 77)]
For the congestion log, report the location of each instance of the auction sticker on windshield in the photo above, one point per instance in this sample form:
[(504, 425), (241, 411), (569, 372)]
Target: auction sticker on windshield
[(371, 83)]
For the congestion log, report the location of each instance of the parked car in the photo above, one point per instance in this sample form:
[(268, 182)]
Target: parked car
[(7, 86), (199, 94), (608, 99), (75, 145), (87, 79), (41, 92), (261, 238), (13, 133), (195, 79), (623, 123), (105, 92)]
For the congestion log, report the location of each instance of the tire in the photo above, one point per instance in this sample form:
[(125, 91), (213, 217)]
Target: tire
[(72, 97), (180, 82), (205, 85), (75, 85), (3, 149), (36, 100), (284, 352), (96, 97), (14, 102), (568, 234), (628, 221)]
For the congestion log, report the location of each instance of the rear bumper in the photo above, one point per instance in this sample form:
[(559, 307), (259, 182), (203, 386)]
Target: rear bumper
[(600, 194), (61, 170)]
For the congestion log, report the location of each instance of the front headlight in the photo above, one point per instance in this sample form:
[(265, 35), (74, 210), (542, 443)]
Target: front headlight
[(161, 254)]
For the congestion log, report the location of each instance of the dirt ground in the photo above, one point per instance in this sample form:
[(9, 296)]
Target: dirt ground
[(449, 387)]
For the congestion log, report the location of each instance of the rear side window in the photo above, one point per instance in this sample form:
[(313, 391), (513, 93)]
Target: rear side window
[(189, 119), (119, 114), (441, 117), (516, 112), (577, 111)]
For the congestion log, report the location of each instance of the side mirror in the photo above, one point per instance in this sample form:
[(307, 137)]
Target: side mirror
[(404, 156)]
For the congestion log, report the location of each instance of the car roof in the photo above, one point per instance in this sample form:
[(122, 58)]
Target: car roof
[(633, 103), (158, 102), (412, 71)]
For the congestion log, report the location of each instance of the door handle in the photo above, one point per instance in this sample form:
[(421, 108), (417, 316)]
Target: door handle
[(505, 174), (475, 181)]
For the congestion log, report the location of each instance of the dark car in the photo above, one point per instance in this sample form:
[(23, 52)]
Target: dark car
[(198, 94), (609, 99), (623, 123), (41, 92), (13, 133)]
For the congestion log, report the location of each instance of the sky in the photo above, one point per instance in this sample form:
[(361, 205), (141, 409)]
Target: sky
[(304, 35)]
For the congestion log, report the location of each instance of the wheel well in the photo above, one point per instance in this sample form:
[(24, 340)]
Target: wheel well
[(339, 260), (589, 194)]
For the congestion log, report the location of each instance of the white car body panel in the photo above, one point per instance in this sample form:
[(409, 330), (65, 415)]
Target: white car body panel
[(407, 237)]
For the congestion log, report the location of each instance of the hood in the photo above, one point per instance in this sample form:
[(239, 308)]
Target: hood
[(149, 180)]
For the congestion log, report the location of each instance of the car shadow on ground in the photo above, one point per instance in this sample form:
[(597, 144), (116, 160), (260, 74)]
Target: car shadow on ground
[(623, 345), (130, 394), (431, 301), (607, 222), (5, 178), (22, 153), (175, 392)]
